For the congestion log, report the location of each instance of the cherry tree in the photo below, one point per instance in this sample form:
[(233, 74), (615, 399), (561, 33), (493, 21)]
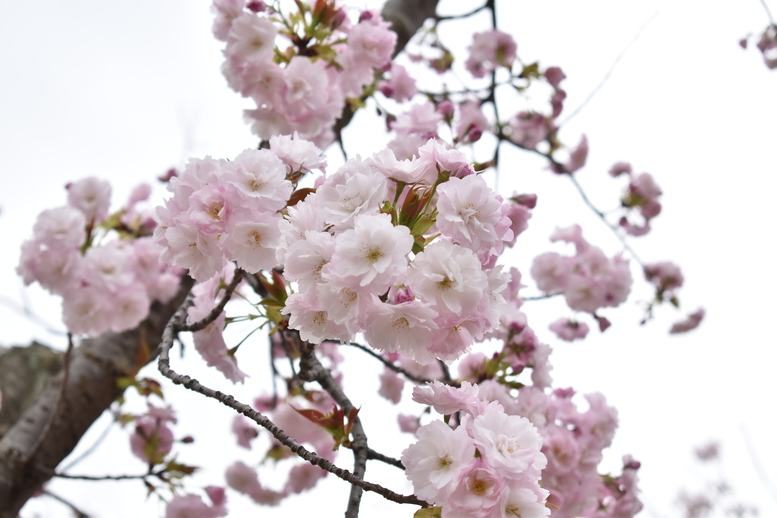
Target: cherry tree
[(398, 253)]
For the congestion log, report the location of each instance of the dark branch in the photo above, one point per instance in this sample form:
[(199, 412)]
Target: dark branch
[(78, 512), (168, 337), (391, 365), (312, 370), (215, 312)]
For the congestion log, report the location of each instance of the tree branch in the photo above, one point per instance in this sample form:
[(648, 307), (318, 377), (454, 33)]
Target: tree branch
[(312, 370), (168, 337), (391, 365)]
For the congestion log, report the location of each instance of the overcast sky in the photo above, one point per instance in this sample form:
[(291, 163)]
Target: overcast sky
[(125, 90)]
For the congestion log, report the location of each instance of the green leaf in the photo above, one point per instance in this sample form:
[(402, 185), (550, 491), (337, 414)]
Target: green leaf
[(125, 382), (429, 512)]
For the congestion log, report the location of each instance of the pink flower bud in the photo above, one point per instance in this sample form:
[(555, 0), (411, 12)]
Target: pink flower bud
[(169, 174), (554, 75), (256, 6), (446, 109)]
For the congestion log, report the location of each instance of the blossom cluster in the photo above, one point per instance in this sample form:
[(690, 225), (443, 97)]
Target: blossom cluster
[(105, 284), (642, 194), (528, 128), (302, 87), (477, 468), (192, 506), (153, 439), (589, 280), (488, 466), (572, 440), (401, 250), (489, 50), (225, 211), (767, 44)]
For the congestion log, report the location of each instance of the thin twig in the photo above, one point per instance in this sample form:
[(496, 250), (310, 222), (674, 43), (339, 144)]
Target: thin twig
[(374, 455), (560, 167), (446, 373), (91, 449), (759, 469), (768, 12), (78, 512), (168, 337), (391, 365), (60, 401), (602, 216), (542, 297), (460, 16), (214, 314), (31, 316), (609, 72), (99, 478)]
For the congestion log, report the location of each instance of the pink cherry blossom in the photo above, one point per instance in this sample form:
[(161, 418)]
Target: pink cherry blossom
[(391, 386), (569, 330), (373, 254), (92, 197), (511, 444), (471, 214), (447, 400), (767, 44), (244, 432), (488, 50), (299, 155), (437, 460), (192, 506), (448, 276), (407, 327), (689, 324), (477, 493), (401, 86), (527, 129)]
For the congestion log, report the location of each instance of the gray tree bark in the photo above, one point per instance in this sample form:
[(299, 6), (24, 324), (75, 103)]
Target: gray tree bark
[(33, 447)]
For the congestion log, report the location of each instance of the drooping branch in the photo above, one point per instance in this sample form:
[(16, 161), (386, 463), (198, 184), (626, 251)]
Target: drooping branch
[(90, 389), (168, 338)]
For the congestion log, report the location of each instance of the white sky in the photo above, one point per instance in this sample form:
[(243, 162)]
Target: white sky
[(124, 90)]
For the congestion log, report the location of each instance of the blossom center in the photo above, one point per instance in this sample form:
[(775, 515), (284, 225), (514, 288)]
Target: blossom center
[(400, 324), (373, 254), (255, 184), (443, 462), (255, 239)]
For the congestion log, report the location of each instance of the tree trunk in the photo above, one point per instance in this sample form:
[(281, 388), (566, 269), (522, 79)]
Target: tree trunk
[(27, 462)]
